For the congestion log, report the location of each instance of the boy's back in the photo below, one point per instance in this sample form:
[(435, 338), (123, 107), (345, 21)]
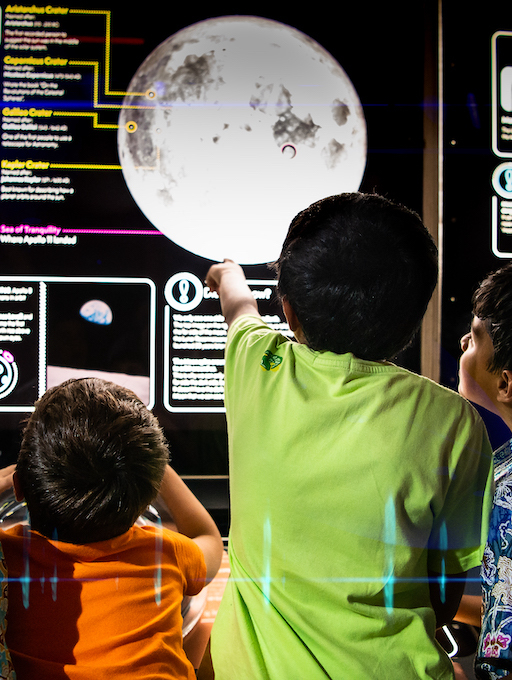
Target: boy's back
[(346, 475), (351, 479), (102, 610)]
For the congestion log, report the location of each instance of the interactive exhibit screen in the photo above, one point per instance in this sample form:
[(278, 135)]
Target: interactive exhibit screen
[(477, 182), (138, 147)]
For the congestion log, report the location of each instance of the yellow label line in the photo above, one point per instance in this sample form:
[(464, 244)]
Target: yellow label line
[(95, 95), (107, 14), (83, 166), (86, 114)]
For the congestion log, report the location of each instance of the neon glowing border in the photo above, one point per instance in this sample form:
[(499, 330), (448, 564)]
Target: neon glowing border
[(167, 361), (494, 95), (42, 281)]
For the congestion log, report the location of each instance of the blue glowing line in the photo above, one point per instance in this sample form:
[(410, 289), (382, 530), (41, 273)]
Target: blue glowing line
[(25, 579), (267, 552), (25, 585), (54, 580), (443, 544), (157, 580), (389, 555), (281, 579)]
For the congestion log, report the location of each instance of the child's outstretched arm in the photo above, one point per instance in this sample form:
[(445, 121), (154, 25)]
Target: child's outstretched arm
[(470, 610), (6, 477), (228, 280), (192, 520)]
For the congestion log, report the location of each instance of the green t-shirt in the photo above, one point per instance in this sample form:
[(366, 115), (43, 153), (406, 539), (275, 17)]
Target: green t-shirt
[(349, 479)]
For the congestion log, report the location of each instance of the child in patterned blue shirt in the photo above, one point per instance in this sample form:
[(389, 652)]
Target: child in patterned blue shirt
[(486, 379)]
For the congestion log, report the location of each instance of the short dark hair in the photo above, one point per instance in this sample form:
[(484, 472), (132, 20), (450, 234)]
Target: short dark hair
[(92, 458), (492, 303), (358, 271)]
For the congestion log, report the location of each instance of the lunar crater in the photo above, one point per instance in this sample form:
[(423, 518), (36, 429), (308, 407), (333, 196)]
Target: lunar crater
[(333, 153), (340, 112), (290, 127), (193, 78)]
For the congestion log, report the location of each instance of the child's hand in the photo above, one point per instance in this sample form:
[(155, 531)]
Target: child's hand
[(217, 271), (228, 280)]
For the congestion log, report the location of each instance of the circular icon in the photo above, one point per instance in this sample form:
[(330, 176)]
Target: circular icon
[(183, 291), (502, 180), (8, 373)]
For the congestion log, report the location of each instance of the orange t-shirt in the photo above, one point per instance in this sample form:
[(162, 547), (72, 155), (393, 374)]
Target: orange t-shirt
[(106, 610)]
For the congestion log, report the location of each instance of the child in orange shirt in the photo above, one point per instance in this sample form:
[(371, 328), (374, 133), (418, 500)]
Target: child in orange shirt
[(90, 594)]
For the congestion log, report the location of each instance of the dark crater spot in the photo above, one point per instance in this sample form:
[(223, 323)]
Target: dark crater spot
[(340, 112), (333, 153), (291, 128), (192, 78)]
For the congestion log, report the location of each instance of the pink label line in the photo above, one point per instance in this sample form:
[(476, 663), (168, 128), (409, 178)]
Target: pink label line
[(117, 232)]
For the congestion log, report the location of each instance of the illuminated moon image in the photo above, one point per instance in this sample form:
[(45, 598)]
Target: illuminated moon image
[(233, 125), (96, 311)]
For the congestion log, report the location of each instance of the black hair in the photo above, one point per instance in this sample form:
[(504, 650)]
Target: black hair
[(92, 458), (492, 303), (358, 270)]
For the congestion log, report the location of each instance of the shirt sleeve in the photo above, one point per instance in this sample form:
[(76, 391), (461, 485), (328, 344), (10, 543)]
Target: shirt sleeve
[(190, 560), (459, 533), (249, 339), (246, 330)]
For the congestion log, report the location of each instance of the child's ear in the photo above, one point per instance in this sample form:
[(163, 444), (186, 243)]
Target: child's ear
[(505, 388), (290, 315), (293, 322)]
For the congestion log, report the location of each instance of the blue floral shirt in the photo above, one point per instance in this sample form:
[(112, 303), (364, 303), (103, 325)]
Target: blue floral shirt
[(494, 654)]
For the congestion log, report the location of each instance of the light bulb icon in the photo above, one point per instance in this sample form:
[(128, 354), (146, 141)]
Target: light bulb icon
[(508, 179), (184, 286)]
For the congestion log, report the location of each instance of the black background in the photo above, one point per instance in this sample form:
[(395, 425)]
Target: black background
[(381, 47)]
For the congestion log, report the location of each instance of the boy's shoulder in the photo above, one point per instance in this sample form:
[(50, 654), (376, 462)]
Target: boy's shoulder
[(251, 332), (441, 399), (275, 332), (139, 539), (248, 322)]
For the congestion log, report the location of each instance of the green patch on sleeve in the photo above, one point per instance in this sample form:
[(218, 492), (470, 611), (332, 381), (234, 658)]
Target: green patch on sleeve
[(270, 362)]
